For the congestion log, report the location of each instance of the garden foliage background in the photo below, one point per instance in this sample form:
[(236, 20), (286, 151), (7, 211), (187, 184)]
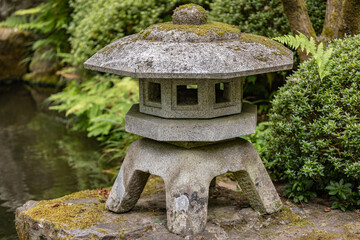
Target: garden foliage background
[(310, 138)]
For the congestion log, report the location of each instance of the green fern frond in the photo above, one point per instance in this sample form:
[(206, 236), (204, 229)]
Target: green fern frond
[(30, 11), (320, 55), (13, 22)]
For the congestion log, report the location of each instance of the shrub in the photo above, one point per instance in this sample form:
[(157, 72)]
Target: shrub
[(263, 17), (315, 130), (257, 17)]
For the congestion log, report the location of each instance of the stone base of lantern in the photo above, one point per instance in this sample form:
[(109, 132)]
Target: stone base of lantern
[(187, 174)]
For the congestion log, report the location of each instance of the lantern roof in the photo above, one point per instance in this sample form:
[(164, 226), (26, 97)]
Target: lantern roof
[(191, 47)]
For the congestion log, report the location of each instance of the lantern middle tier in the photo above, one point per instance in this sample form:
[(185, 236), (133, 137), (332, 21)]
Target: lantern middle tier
[(190, 98)]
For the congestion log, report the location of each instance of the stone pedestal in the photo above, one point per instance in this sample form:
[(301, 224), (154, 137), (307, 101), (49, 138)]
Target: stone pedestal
[(187, 174)]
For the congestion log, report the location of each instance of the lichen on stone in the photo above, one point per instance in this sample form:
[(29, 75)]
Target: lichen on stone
[(190, 14)]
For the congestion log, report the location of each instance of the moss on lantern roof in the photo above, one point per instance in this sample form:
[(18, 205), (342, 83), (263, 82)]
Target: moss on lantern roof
[(206, 29), (252, 38)]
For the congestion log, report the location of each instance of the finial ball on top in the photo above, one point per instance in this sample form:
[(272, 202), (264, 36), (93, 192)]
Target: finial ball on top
[(189, 14)]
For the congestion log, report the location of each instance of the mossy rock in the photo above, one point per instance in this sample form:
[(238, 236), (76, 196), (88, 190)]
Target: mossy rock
[(82, 216), (14, 48)]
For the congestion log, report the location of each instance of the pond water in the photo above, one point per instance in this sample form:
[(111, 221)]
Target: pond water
[(39, 157)]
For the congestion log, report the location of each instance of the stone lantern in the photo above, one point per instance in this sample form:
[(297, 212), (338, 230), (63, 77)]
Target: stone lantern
[(191, 113)]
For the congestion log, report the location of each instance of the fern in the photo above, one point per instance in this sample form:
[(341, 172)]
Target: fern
[(14, 22), (49, 21), (320, 55), (98, 106)]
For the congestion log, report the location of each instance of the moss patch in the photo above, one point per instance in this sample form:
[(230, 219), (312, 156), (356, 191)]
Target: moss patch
[(294, 219), (70, 215), (154, 184), (200, 30), (251, 38), (191, 6)]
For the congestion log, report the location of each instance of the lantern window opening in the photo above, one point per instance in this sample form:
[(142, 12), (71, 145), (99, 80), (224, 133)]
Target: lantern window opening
[(154, 92), (222, 92), (187, 95)]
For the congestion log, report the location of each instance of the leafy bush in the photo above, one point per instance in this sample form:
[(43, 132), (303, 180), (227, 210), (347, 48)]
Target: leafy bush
[(263, 17), (343, 195), (98, 106), (258, 17), (315, 130)]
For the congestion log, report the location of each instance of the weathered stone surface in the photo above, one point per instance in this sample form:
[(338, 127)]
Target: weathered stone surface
[(190, 14), (247, 55), (187, 98), (187, 174), (200, 130), (13, 49)]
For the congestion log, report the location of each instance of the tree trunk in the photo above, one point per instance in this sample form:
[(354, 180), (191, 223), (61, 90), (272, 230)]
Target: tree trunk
[(332, 24), (350, 17), (342, 17), (298, 17)]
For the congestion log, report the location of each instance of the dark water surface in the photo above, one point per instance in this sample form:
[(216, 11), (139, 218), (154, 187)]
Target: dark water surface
[(39, 157)]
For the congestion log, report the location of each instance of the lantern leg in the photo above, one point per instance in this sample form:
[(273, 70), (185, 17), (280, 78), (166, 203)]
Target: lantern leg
[(254, 180), (127, 188), (186, 203)]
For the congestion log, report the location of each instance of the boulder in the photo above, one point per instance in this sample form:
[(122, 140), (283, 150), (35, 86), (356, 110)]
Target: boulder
[(14, 48), (43, 69)]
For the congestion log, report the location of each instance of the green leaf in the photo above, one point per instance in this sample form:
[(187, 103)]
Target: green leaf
[(30, 11)]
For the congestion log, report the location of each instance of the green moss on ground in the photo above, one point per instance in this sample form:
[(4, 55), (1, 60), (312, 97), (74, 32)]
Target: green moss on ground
[(154, 184), (70, 215), (294, 219)]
